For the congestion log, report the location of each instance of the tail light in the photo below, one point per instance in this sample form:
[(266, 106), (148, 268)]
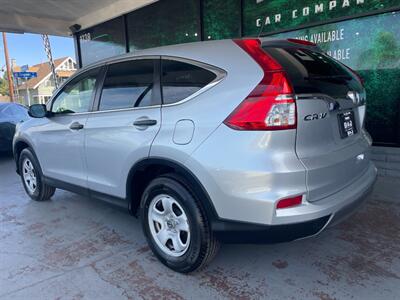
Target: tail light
[(271, 104), (289, 202)]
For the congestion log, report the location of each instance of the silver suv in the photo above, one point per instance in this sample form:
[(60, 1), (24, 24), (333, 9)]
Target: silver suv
[(244, 141)]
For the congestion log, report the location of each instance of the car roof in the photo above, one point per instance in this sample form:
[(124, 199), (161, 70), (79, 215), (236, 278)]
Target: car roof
[(169, 50), (190, 51), (4, 105), (155, 51), (158, 51)]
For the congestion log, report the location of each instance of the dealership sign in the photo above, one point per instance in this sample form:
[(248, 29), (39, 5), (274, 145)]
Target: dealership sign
[(262, 16), (305, 11)]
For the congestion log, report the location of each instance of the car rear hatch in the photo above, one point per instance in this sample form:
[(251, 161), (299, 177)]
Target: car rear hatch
[(330, 103)]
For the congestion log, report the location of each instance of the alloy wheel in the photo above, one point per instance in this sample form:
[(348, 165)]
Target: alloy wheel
[(29, 175)]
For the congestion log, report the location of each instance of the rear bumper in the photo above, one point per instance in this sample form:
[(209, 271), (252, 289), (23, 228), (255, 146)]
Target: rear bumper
[(340, 201), (307, 220), (247, 233)]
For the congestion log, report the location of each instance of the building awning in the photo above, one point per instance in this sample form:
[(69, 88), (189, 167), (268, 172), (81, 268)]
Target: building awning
[(55, 17)]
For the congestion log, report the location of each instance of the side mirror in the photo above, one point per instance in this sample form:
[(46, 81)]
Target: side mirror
[(37, 111)]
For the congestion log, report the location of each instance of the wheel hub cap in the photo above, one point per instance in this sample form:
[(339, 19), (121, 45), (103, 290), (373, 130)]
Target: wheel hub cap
[(29, 175), (169, 225)]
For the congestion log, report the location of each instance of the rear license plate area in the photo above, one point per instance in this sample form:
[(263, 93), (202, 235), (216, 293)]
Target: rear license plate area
[(347, 124)]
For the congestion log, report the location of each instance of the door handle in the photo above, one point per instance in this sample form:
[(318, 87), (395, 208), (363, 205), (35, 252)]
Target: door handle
[(76, 126), (145, 122)]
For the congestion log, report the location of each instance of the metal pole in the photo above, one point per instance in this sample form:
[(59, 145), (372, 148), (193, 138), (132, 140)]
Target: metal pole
[(27, 92), (15, 84), (16, 90), (9, 75)]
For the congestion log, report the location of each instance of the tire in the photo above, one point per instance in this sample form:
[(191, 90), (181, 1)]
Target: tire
[(32, 177), (199, 247)]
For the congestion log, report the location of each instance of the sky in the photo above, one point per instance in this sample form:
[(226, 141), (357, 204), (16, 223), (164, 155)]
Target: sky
[(28, 48)]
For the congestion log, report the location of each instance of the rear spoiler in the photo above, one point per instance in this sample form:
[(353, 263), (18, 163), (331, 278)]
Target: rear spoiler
[(270, 42)]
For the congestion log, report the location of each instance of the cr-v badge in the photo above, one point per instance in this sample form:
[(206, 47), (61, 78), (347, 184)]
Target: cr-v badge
[(312, 117)]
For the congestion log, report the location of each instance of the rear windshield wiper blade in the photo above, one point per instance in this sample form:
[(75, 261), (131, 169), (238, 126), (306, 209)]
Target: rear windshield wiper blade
[(347, 77)]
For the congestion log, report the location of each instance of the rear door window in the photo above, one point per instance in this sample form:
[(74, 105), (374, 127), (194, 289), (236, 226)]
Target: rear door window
[(128, 84), (315, 72), (180, 80)]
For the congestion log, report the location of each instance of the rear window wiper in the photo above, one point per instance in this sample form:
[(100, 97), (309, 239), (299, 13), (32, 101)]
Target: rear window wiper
[(346, 77)]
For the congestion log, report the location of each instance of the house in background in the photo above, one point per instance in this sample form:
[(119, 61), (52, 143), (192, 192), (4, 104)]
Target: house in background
[(41, 88)]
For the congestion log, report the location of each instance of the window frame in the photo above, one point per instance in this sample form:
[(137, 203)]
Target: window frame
[(75, 79), (157, 90), (156, 93), (220, 75)]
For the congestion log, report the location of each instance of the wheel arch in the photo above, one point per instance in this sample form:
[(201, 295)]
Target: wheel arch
[(147, 169), (19, 145)]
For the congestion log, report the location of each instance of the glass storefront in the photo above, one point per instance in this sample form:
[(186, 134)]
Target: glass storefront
[(220, 19), (268, 16), (371, 46), (102, 41), (161, 24), (363, 34)]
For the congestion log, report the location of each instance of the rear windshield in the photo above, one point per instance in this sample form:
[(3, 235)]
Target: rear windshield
[(314, 72)]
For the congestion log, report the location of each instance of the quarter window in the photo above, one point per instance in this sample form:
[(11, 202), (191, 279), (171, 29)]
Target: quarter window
[(128, 84), (77, 95), (180, 80)]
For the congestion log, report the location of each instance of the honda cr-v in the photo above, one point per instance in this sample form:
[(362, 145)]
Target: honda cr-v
[(249, 140)]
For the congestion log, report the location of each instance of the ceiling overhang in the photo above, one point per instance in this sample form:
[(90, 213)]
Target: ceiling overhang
[(55, 17)]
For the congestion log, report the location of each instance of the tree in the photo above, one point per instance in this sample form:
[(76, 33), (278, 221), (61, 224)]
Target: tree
[(4, 85)]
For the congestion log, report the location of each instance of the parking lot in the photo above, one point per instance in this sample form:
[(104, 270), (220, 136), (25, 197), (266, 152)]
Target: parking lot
[(73, 247)]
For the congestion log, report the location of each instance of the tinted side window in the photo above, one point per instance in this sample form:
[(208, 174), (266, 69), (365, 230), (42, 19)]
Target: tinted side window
[(77, 95), (128, 84), (180, 80)]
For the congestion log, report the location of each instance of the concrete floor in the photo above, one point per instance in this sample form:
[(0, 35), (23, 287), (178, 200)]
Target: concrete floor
[(77, 248)]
